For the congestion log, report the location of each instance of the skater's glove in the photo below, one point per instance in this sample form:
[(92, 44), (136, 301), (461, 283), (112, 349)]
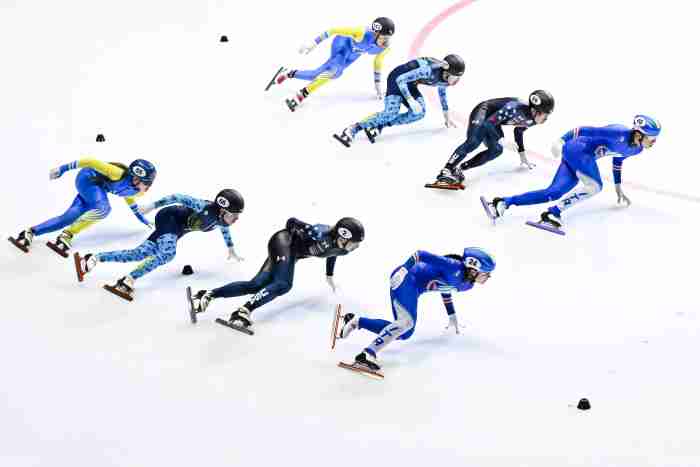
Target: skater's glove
[(331, 283), (307, 48), (379, 86), (414, 105), (449, 123), (453, 323), (58, 171), (233, 255), (621, 197), (139, 215), (524, 162)]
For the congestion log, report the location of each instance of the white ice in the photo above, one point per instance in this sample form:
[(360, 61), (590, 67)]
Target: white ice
[(608, 312)]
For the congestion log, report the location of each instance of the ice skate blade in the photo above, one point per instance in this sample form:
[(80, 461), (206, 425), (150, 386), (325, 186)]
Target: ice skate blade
[(193, 315), (445, 186), (18, 245), (547, 227), (118, 293), (56, 249), (362, 370), (274, 78), (485, 204), (78, 269), (235, 327), (341, 141), (334, 329)]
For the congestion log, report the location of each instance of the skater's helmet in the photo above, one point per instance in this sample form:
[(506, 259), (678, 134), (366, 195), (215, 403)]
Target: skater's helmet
[(230, 204), (647, 125), (542, 101), (455, 68), (348, 232), (383, 28), (143, 170), (479, 264)]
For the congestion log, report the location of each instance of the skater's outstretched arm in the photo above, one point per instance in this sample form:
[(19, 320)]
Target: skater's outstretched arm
[(111, 171), (442, 92), (357, 34), (518, 134), (133, 205), (186, 200)]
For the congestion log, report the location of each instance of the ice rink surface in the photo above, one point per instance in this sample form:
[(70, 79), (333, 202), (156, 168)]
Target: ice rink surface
[(608, 312)]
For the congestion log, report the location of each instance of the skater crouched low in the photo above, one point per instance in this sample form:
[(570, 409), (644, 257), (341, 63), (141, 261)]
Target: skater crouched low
[(276, 276), (182, 215), (422, 272)]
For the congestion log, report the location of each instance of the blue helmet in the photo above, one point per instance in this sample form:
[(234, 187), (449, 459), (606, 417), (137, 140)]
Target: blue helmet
[(647, 125), (478, 259), (143, 170)]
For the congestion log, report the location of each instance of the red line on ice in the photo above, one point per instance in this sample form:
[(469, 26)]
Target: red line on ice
[(418, 44)]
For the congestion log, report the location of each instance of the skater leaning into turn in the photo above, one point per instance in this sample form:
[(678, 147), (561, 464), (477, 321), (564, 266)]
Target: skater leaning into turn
[(402, 89), (94, 181), (276, 276), (579, 149), (422, 272), (348, 45), (182, 215), (486, 126)]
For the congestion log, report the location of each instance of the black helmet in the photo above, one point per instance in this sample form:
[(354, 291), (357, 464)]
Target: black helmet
[(230, 200), (349, 229), (455, 64), (383, 26), (542, 101)]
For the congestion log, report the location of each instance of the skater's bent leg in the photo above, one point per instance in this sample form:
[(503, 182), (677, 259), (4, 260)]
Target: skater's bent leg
[(166, 247), (239, 288), (89, 218), (591, 187), (392, 106), (564, 180), (402, 328), (372, 325), (282, 281), (76, 209), (141, 252), (493, 150), (474, 139), (410, 117)]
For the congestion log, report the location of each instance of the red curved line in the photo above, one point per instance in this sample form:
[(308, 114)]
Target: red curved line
[(416, 47)]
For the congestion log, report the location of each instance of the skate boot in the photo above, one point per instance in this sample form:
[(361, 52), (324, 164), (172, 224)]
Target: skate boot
[(350, 323), (495, 208), (367, 360), (550, 222), (373, 133), (84, 264), (124, 288), (297, 99), (552, 219), (241, 318), (202, 300), (346, 137), (281, 76), (450, 176), (23, 240), (62, 244)]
